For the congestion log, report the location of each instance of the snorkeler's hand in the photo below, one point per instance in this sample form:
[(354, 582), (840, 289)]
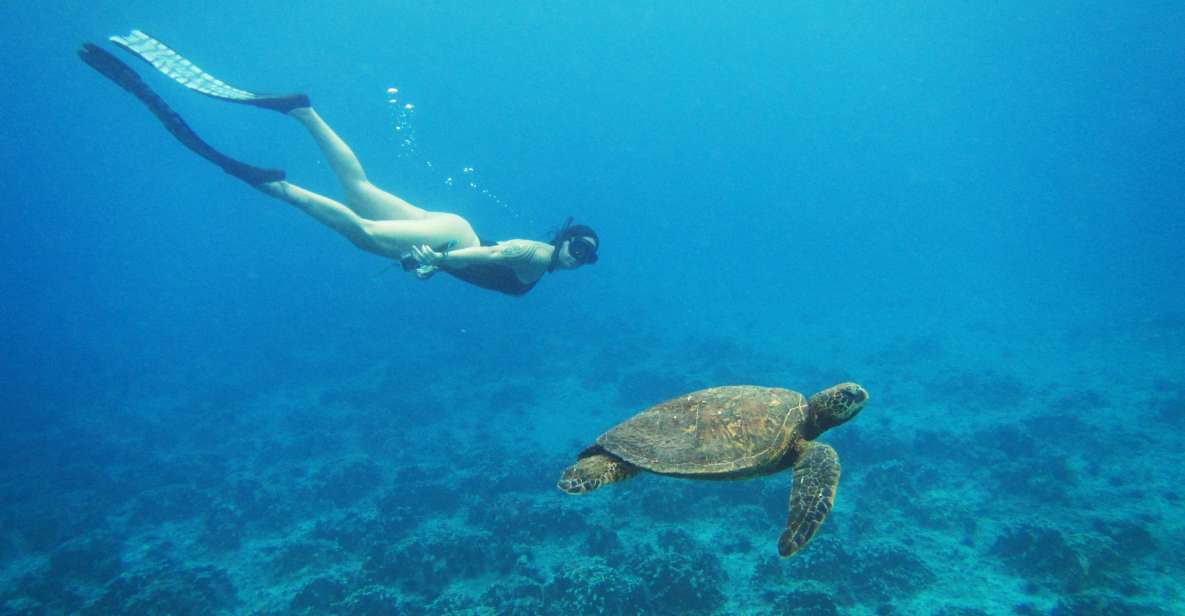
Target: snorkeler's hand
[(425, 256), (425, 272)]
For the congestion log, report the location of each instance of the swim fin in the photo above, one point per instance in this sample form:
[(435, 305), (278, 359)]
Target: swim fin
[(186, 73), (123, 76)]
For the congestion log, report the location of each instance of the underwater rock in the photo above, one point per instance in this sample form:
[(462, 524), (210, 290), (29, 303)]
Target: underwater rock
[(8, 545), (418, 500), (1013, 453), (1171, 409), (682, 582), (223, 527), (589, 586), (736, 543), (514, 596), (1068, 430), (1133, 540), (292, 557), (826, 561), (85, 561), (450, 603), (897, 485), (678, 540), (43, 529), (871, 575), (525, 470), (987, 391), (37, 593), (1007, 443), (1102, 605), (194, 591), (528, 520), (1110, 561), (376, 601), (800, 603), (1053, 484), (553, 518), (249, 496), (92, 558), (660, 498), (171, 503), (603, 542), (345, 485), (429, 562), (959, 611), (1040, 555), (356, 533), (887, 572), (861, 446), (320, 596)]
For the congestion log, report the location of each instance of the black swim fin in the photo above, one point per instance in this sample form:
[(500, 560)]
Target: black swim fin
[(123, 76)]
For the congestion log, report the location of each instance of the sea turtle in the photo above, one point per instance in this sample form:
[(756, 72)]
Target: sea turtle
[(734, 432)]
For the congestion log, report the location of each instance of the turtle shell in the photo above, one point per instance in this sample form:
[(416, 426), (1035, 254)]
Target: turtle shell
[(717, 431)]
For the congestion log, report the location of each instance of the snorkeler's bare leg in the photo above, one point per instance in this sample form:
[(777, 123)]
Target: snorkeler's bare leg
[(365, 198), (386, 238), (328, 212)]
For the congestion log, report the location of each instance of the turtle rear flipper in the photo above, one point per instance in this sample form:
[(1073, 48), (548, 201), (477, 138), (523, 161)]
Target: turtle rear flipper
[(593, 471), (816, 475)]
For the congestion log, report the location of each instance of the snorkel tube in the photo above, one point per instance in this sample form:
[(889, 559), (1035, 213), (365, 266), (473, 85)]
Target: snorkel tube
[(559, 239)]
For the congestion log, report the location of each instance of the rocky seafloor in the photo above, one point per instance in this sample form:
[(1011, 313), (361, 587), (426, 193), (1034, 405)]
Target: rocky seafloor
[(997, 470)]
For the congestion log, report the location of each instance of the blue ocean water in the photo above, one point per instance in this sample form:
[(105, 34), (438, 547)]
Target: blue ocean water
[(212, 404)]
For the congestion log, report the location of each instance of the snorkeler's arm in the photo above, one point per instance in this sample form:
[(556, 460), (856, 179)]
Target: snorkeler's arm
[(509, 252)]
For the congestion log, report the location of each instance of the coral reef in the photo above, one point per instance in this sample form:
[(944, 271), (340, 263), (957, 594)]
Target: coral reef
[(428, 562), (196, 590), (870, 575), (592, 587), (333, 498), (1041, 556)]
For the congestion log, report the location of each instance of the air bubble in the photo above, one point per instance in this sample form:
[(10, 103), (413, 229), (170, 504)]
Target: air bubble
[(402, 115)]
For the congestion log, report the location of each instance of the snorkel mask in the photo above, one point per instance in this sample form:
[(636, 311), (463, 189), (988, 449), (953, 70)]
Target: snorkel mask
[(580, 246), (582, 249)]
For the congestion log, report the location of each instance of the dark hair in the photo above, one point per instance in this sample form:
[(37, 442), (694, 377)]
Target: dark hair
[(578, 231)]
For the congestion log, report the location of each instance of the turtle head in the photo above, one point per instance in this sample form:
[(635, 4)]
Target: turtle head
[(836, 405)]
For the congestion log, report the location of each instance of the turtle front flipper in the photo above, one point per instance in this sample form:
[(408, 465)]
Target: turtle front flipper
[(593, 471), (816, 475)]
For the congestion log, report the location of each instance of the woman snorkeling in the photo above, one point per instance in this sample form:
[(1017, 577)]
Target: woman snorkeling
[(372, 219)]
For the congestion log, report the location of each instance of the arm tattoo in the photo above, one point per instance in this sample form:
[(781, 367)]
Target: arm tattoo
[(518, 252)]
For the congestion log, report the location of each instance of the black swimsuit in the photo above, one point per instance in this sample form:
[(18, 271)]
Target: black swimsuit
[(492, 276)]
